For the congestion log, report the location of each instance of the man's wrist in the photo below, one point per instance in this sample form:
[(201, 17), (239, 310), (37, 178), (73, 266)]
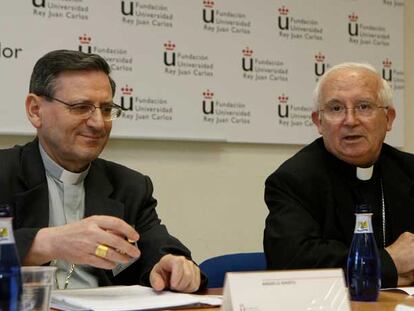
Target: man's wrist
[(41, 250)]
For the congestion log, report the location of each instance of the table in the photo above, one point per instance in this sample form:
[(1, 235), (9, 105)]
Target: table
[(386, 302)]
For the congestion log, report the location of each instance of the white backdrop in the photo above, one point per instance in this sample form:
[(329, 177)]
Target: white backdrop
[(226, 70)]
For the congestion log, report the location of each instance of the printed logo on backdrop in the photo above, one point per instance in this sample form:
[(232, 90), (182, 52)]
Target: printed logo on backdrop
[(221, 21), (366, 34), (220, 112), (117, 58), (394, 77), (84, 44), (187, 64), (320, 65), (61, 9), (127, 100), (393, 3), (291, 115), (8, 52), (138, 13), (297, 28), (260, 69), (353, 26), (142, 109)]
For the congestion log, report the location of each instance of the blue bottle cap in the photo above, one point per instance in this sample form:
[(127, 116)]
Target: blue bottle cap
[(5, 210), (363, 208)]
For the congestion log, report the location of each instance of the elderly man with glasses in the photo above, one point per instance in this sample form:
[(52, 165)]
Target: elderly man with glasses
[(94, 219), (312, 196)]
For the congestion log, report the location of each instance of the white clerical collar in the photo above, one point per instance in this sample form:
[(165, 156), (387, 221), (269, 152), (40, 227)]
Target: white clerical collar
[(364, 173), (58, 172)]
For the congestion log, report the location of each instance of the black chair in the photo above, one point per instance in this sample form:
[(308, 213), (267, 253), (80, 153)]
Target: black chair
[(216, 267)]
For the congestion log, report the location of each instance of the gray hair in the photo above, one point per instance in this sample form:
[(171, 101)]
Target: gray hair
[(49, 66), (384, 92)]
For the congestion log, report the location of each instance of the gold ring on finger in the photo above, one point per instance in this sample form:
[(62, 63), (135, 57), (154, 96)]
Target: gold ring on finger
[(101, 250)]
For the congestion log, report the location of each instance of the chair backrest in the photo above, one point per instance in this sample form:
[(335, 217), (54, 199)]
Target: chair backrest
[(216, 267)]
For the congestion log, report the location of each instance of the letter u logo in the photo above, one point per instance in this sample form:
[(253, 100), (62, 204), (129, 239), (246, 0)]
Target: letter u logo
[(170, 62), (88, 49), (319, 69), (123, 105), (353, 32), (131, 8), (209, 19), (384, 75), (211, 110), (249, 65), (284, 114), (42, 3), (280, 24)]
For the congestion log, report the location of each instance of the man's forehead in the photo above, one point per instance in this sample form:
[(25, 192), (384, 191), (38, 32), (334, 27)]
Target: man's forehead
[(79, 73), (347, 75), (69, 77), (350, 79)]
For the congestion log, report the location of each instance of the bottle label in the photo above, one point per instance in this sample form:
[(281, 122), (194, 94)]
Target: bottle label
[(6, 231), (363, 223)]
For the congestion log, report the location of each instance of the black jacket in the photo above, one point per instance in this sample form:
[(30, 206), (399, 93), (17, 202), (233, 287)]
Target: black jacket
[(110, 189), (311, 200)]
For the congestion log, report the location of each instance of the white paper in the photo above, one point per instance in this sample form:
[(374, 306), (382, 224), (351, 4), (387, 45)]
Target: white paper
[(125, 298), (309, 290), (408, 290), (404, 308), (404, 290)]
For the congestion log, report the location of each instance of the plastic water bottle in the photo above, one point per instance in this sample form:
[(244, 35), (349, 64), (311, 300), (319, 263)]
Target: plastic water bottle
[(10, 278), (363, 264)]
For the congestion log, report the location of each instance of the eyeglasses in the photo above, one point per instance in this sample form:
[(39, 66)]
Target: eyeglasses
[(85, 110), (337, 111)]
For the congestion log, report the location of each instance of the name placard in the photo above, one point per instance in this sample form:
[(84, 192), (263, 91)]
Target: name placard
[(322, 289)]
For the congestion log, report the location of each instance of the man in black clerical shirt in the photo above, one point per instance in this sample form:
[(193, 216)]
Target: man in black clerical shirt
[(311, 197)]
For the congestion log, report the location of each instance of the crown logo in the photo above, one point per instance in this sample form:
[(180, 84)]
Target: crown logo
[(387, 63), (169, 46), (247, 52), (283, 10), (85, 39), (208, 3), (353, 17), (208, 94), (126, 90), (283, 99), (319, 57)]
